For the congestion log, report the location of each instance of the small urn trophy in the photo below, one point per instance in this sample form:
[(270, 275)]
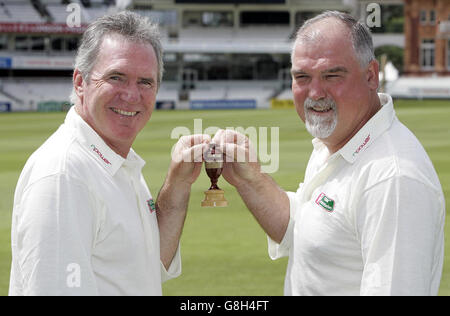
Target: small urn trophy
[(214, 196)]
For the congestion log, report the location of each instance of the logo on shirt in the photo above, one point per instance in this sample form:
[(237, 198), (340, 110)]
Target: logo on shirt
[(362, 145), (100, 154), (151, 205), (325, 202)]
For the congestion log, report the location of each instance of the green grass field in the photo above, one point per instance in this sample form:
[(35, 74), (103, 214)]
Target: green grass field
[(224, 251)]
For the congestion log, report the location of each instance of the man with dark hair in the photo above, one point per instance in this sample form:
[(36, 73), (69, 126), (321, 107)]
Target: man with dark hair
[(369, 217), (84, 220)]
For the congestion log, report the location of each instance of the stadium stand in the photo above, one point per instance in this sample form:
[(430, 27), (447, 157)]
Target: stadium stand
[(29, 93), (19, 11), (286, 94), (229, 52), (58, 12), (416, 87)]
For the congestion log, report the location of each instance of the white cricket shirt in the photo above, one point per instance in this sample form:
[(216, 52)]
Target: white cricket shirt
[(84, 222), (367, 220)]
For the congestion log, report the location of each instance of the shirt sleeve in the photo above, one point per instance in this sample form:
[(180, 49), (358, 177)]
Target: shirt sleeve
[(400, 225), (174, 270), (277, 251), (52, 237)]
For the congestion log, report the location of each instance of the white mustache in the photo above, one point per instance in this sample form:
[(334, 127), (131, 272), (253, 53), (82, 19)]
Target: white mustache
[(324, 104)]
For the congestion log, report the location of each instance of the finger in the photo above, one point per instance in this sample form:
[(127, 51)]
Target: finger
[(192, 140), (187, 141), (218, 137), (235, 153), (194, 153), (234, 137)]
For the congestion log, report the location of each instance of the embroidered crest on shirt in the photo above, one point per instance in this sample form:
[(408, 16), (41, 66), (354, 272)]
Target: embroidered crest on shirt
[(151, 205), (325, 202), (95, 149)]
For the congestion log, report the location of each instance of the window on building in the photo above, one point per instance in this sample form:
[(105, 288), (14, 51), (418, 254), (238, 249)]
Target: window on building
[(264, 18), (423, 17), (208, 18), (232, 66), (64, 44), (432, 17), (72, 43), (192, 18), (427, 54), (448, 54), (217, 19), (161, 17), (30, 43), (37, 43), (3, 42), (57, 44), (21, 43)]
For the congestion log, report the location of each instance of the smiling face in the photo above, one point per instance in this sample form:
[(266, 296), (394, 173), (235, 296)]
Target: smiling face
[(333, 94), (119, 97)]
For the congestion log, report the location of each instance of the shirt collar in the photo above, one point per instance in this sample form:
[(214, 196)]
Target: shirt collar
[(97, 148), (134, 163), (379, 123), (362, 140)]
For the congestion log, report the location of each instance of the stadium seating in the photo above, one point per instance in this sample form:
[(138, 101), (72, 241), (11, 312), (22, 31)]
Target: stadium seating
[(58, 12), (19, 11), (417, 87), (228, 40), (286, 94), (260, 91), (29, 92), (168, 92)]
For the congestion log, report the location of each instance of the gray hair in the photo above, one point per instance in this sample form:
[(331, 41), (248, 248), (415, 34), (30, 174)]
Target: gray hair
[(128, 24), (361, 37)]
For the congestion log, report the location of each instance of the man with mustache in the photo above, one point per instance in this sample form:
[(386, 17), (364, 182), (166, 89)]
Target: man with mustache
[(368, 218)]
